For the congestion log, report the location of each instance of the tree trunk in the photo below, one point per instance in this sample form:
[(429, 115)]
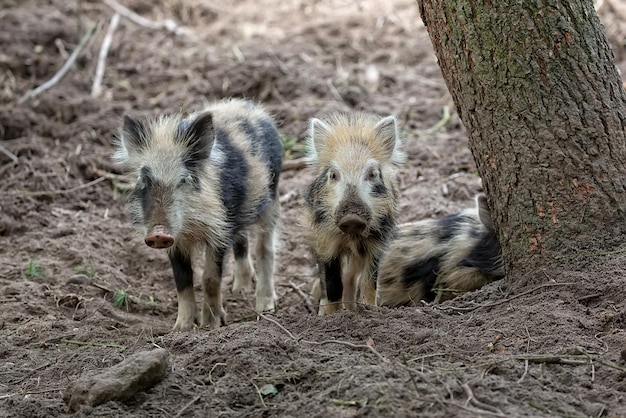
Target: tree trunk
[(545, 111)]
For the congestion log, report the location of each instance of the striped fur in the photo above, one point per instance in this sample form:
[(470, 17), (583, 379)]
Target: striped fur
[(205, 181), (352, 203), (436, 259)]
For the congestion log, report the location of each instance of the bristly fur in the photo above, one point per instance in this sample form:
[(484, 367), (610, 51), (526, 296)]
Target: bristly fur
[(356, 158), (436, 259), (206, 179), (343, 131)]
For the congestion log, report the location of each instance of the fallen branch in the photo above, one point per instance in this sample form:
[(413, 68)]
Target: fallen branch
[(166, 24), (61, 73), (102, 57), (500, 302)]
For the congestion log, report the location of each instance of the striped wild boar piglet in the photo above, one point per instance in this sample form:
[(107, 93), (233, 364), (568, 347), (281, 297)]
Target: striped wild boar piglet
[(352, 203), (204, 182), (436, 259)]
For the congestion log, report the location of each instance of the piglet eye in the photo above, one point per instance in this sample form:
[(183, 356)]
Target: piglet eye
[(374, 174), (332, 174), (188, 179)]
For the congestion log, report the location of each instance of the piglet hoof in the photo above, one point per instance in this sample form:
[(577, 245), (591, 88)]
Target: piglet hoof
[(327, 308), (241, 285), (184, 324), (351, 305), (266, 304), (211, 321)]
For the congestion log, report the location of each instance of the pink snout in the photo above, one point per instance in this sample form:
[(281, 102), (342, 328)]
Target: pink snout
[(352, 224), (159, 237)]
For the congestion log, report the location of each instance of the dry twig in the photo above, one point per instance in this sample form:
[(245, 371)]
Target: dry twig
[(133, 299), (368, 346), (8, 153), (166, 24), (305, 298), (579, 359), (445, 118), (500, 302), (61, 73), (475, 411), (273, 321), (102, 57), (287, 196), (188, 404), (471, 399)]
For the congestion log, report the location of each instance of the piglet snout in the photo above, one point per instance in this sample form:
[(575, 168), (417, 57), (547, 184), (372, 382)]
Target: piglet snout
[(352, 224), (159, 237)]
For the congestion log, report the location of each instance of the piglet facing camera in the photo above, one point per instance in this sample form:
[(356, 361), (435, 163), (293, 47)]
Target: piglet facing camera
[(205, 182), (351, 206)]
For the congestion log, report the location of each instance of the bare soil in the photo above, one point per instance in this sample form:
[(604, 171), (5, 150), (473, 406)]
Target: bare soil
[(554, 350)]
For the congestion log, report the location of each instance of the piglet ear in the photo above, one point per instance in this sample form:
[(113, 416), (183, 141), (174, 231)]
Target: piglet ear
[(386, 130), (198, 138), (133, 138), (318, 135), (318, 132), (484, 213)]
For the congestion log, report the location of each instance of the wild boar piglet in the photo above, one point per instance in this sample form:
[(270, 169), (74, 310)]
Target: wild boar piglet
[(351, 206), (203, 183)]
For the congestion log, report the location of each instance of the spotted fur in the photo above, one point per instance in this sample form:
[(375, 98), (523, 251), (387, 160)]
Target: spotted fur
[(204, 181), (436, 259), (352, 203)]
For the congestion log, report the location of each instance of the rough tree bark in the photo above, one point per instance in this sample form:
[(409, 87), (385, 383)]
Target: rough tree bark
[(545, 111)]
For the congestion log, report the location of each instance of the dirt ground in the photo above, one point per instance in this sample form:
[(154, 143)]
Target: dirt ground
[(80, 291)]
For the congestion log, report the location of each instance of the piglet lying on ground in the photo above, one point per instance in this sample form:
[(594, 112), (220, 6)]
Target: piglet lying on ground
[(436, 259)]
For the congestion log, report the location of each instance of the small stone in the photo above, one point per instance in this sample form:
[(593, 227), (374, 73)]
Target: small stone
[(138, 372)]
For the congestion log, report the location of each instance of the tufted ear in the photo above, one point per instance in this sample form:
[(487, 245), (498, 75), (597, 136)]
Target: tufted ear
[(386, 130), (318, 135), (133, 138), (198, 138), (484, 213)]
